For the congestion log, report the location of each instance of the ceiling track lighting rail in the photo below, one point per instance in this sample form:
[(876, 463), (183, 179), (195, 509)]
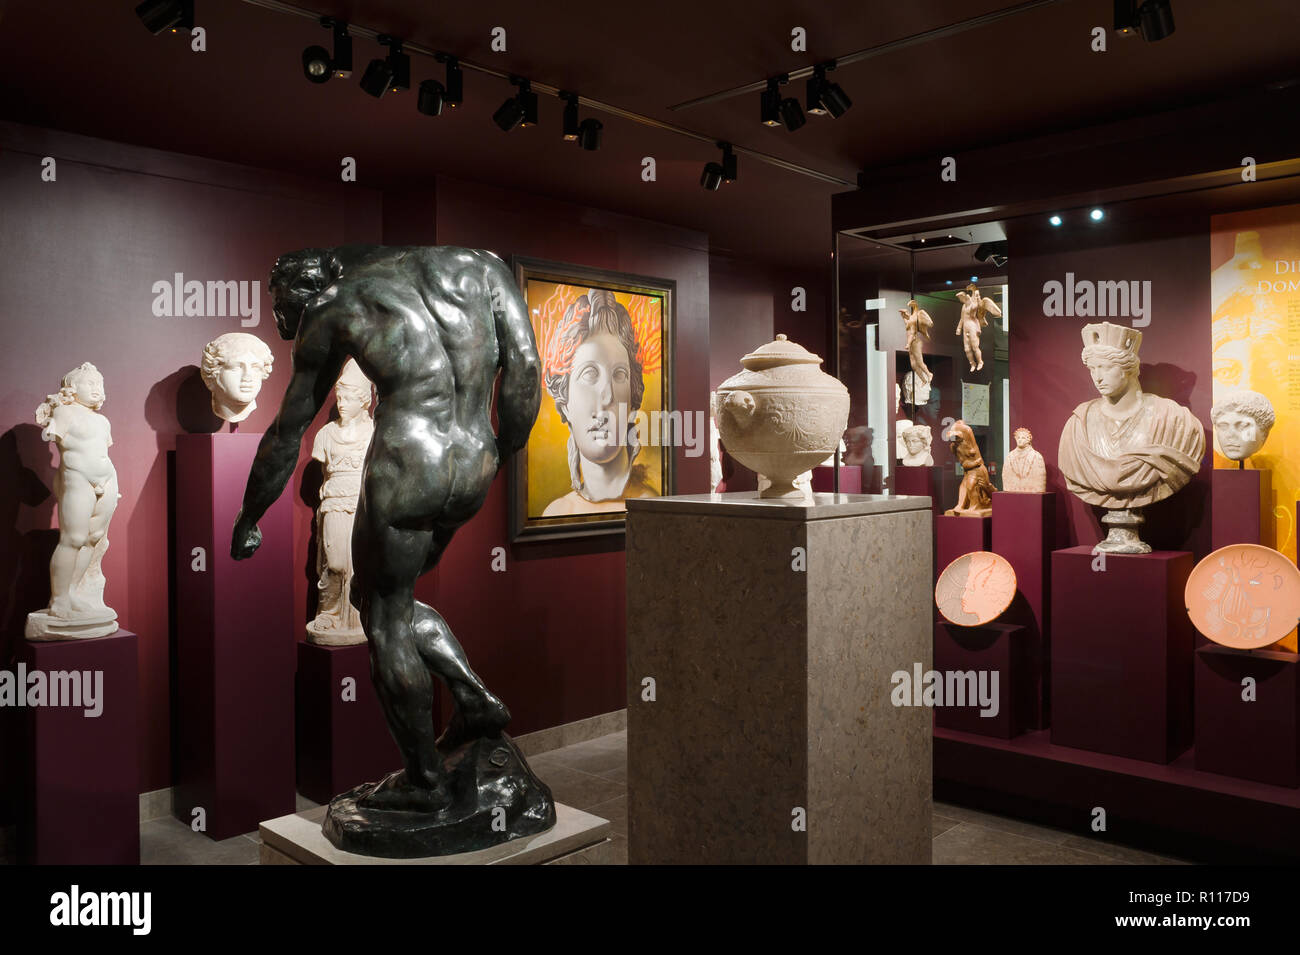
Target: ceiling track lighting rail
[(847, 59), (277, 6)]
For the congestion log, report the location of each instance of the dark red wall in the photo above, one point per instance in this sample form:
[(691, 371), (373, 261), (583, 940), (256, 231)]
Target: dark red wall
[(78, 259), (1048, 379)]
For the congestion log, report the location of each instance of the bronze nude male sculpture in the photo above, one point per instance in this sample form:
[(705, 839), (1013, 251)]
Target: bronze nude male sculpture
[(431, 327)]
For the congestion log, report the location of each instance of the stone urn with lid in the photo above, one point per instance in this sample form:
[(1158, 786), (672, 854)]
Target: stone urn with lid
[(782, 415)]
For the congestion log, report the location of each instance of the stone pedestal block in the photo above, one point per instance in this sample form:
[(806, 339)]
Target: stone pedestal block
[(762, 639)]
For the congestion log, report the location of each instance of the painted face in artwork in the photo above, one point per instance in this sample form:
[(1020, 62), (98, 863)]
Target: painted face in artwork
[(600, 382)]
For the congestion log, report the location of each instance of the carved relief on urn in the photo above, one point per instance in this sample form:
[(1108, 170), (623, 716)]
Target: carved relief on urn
[(782, 415)]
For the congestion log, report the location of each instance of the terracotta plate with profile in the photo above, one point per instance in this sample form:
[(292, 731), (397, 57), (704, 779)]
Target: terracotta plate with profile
[(1244, 596), (975, 589)]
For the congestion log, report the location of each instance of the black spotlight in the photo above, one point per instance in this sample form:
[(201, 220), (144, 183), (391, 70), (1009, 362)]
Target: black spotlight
[(1156, 20), (994, 252), (711, 178), (825, 97), (729, 165), (160, 15), (431, 99), (454, 89), (792, 114), (571, 127), (589, 134), (392, 75), (318, 65), (770, 104), (518, 110)]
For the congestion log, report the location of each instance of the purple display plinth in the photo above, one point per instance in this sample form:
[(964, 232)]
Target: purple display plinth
[(918, 482), (823, 479), (1241, 508), (235, 652), (1024, 532), (1121, 653), (999, 648), (80, 800), (1237, 735), (343, 740), (955, 536)]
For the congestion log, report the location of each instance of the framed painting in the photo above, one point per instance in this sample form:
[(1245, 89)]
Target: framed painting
[(606, 344)]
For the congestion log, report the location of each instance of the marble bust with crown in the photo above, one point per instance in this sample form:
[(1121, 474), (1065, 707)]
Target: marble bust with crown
[(1126, 449)]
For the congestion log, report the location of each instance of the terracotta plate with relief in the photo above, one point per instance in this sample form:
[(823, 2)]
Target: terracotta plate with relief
[(1244, 596), (975, 589)]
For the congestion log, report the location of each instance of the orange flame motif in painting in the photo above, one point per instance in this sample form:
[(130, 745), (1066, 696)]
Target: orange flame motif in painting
[(557, 349)]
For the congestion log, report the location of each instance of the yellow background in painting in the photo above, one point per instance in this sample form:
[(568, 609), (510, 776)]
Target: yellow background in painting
[(548, 456), (1255, 291)]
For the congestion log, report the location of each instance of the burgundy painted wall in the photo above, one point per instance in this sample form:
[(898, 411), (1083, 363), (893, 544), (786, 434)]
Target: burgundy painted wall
[(78, 259), (1048, 379)]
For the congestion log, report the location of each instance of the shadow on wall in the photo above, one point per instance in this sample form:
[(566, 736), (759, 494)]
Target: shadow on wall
[(180, 402), (27, 502)]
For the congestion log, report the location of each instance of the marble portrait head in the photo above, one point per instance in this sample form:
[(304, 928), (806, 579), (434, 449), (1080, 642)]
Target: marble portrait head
[(1242, 422), (1111, 354), (234, 366)]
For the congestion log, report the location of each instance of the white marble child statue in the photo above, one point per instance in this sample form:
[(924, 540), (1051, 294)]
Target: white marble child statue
[(86, 489)]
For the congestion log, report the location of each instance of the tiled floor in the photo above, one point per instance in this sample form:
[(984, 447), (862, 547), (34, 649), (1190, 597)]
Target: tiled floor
[(593, 776)]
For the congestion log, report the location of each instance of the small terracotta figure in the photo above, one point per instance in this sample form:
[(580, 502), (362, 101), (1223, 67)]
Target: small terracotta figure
[(975, 495), (1025, 470), (918, 323), (974, 317)]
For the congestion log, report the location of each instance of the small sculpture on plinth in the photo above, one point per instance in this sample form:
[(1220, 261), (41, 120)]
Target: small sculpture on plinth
[(234, 366), (975, 310), (918, 323), (87, 493), (1025, 470), (1242, 421), (916, 440), (341, 448), (1126, 449), (437, 330), (975, 493)]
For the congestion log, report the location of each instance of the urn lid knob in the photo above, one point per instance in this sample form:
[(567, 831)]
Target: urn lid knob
[(780, 352)]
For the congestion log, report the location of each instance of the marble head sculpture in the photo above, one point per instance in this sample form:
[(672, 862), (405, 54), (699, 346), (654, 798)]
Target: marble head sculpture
[(915, 440), (593, 372), (234, 366), (436, 329), (1242, 421), (87, 493), (1126, 449)]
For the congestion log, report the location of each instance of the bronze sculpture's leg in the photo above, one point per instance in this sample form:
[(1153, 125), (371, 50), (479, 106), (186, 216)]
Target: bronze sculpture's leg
[(477, 711), (401, 677)]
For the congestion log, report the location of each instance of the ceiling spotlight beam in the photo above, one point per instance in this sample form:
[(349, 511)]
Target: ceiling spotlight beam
[(858, 56), (650, 122)]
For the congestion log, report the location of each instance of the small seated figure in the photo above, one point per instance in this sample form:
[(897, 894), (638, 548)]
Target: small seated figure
[(1242, 421), (975, 494), (1025, 470)]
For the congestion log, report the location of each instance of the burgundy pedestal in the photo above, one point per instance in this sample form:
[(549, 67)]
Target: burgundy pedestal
[(922, 482), (993, 648), (1241, 508), (1024, 532), (343, 740), (955, 536), (823, 479), (235, 653), (1250, 739), (80, 802), (1121, 666)]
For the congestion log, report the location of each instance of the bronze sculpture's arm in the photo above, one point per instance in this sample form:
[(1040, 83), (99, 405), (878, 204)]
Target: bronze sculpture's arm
[(519, 396), (316, 367)]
